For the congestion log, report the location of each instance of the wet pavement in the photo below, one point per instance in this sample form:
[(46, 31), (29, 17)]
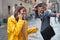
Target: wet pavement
[(35, 36)]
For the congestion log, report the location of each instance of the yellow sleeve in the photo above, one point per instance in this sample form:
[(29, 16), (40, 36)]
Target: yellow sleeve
[(32, 30), (14, 28)]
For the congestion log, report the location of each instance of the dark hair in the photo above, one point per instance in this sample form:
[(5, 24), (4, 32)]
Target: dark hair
[(18, 11), (36, 13)]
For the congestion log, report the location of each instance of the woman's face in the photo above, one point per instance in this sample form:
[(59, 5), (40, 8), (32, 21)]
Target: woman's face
[(23, 11)]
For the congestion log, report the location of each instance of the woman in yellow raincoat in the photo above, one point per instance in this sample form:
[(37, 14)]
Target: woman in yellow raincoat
[(17, 27)]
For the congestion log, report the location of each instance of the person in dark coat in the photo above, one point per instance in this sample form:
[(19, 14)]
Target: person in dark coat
[(45, 15)]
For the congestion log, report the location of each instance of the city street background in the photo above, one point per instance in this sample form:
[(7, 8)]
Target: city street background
[(53, 5)]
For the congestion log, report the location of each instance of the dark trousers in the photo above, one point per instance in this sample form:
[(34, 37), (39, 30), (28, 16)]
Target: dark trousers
[(47, 33)]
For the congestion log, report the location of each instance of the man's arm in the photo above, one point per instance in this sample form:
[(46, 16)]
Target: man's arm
[(51, 14)]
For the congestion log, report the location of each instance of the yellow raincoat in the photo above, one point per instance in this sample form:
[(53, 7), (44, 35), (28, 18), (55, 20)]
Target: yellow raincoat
[(14, 29)]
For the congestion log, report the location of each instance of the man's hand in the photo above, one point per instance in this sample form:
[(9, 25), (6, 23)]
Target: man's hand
[(57, 14)]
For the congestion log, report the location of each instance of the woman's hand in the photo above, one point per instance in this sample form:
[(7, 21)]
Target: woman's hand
[(36, 28), (20, 16)]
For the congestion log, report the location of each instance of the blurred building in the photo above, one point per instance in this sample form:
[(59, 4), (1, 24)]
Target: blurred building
[(3, 8), (53, 4), (5, 3), (27, 3)]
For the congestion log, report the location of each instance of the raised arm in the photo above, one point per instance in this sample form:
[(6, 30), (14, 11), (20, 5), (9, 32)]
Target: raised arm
[(51, 14)]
